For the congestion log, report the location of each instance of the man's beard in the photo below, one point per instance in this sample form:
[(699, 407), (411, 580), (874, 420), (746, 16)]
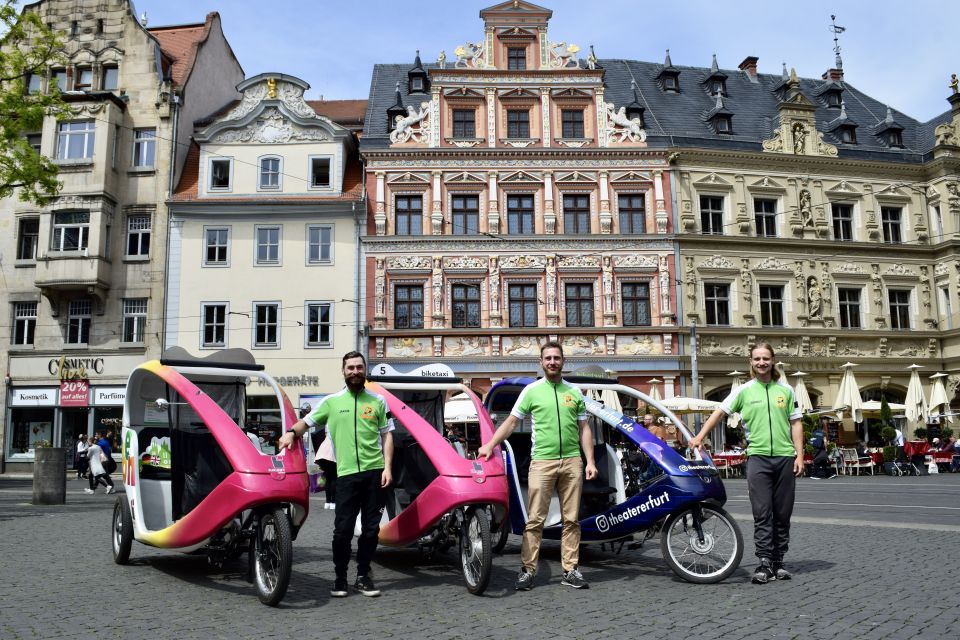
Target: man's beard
[(355, 384)]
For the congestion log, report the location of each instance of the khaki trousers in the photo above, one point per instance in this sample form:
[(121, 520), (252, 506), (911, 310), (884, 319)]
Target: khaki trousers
[(566, 476)]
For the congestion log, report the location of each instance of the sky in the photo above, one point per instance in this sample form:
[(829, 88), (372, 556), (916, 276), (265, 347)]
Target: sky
[(900, 53)]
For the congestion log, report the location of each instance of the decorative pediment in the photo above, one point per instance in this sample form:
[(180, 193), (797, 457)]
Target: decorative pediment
[(518, 94), (577, 176), (773, 264), (849, 268), (843, 189), (635, 262), (465, 263), (713, 181), (521, 177), (942, 269), (522, 262), (264, 87), (578, 262), (571, 93), (409, 178), (516, 33), (717, 263), (407, 263), (893, 192), (629, 176), (271, 127), (462, 93), (464, 177), (897, 270), (767, 184)]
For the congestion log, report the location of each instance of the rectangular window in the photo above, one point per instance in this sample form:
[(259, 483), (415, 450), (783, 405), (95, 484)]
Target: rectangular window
[(28, 233), (465, 215), (266, 325), (890, 219), (319, 173), (899, 308), (24, 322), (579, 304), (465, 299), (268, 245), (848, 301), (319, 324), (771, 306), (576, 214), (111, 77), (842, 221), (463, 123), (523, 305), (214, 325), (269, 173), (75, 140), (408, 306), (937, 222), (138, 235), (144, 147), (409, 215), (571, 121), (220, 170), (319, 244), (765, 217), (946, 307), (78, 321), (716, 297), (58, 79), (34, 83), (636, 304), (520, 215), (516, 58), (71, 230), (518, 123), (134, 319), (217, 246), (711, 214), (83, 80), (35, 140), (633, 213)]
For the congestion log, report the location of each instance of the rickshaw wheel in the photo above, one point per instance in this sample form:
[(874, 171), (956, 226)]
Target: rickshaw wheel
[(476, 554), (502, 534), (705, 561), (122, 531), (272, 556)]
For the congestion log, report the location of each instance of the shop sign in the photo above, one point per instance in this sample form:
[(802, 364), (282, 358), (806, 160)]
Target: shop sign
[(74, 393), (66, 368), (435, 370), (39, 397), (109, 396)]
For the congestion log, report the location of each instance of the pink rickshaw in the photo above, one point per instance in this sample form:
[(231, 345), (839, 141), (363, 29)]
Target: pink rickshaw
[(195, 481)]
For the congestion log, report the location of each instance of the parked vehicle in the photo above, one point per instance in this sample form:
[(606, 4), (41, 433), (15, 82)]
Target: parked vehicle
[(643, 487), (195, 481)]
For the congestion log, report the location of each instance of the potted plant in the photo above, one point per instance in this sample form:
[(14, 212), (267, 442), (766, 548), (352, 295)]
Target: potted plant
[(920, 433)]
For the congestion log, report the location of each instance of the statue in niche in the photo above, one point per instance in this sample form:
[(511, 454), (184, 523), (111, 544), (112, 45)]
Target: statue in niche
[(380, 287), (814, 298), (607, 285), (437, 287), (799, 138), (551, 285), (806, 212), (494, 285)]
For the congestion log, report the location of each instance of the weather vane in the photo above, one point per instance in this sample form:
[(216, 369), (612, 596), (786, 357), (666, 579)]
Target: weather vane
[(836, 30)]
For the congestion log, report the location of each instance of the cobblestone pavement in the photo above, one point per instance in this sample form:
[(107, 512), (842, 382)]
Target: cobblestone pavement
[(885, 579)]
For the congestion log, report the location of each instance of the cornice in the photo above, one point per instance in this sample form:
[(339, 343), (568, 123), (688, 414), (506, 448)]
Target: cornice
[(805, 248), (515, 152), (484, 244), (728, 159)]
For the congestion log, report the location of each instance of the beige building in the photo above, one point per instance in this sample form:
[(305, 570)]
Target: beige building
[(263, 240), (83, 292)]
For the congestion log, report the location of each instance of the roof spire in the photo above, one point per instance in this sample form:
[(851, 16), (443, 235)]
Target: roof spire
[(713, 66), (836, 30), (843, 109), (785, 76), (666, 61)]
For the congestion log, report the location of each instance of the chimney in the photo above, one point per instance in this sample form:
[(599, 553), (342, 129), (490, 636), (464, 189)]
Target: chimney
[(749, 65), (834, 75)]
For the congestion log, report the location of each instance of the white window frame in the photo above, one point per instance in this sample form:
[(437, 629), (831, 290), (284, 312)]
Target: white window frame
[(306, 324), (936, 221), (901, 228), (946, 306), (854, 220), (911, 312), (105, 72), (862, 304), (140, 232), (86, 130), (203, 324), (144, 148), (254, 324), (320, 261), (257, 244), (216, 265), (784, 310), (210, 162), (134, 311), (777, 214), (84, 315), (724, 213), (330, 158), (731, 297), (260, 173), (28, 319), (58, 232)]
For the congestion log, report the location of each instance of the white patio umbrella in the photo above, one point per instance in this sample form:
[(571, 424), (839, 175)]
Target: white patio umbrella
[(654, 388), (680, 404), (611, 400), (800, 393), (460, 408), (871, 408), (915, 404), (848, 397), (939, 403)]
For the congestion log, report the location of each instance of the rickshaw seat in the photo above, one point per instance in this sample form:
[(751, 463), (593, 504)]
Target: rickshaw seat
[(198, 466), (600, 485)]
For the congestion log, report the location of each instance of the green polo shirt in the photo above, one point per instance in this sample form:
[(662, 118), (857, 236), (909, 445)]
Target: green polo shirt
[(354, 423), (556, 410), (767, 410)]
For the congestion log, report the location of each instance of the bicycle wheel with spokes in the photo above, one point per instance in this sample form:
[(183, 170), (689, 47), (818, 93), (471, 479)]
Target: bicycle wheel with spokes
[(272, 556), (702, 544), (476, 553)]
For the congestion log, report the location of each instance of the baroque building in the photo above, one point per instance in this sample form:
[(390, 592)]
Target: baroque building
[(83, 290), (263, 240), (515, 195)]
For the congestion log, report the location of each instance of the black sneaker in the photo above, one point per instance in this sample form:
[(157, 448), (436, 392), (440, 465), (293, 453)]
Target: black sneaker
[(780, 572), (365, 586), (339, 588), (763, 573), (574, 579), (524, 581)]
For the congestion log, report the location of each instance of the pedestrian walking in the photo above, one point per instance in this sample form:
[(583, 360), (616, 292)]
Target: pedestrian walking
[(98, 474), (80, 456), (771, 421)]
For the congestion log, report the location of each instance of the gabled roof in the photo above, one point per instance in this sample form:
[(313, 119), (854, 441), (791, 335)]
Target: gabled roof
[(180, 45)]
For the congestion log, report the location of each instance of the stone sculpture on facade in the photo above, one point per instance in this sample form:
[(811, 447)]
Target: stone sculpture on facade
[(469, 56), (814, 298), (412, 127), (799, 138), (618, 124), (562, 55)]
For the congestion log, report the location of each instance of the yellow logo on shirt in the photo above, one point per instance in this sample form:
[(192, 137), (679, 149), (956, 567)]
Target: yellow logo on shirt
[(781, 402), (567, 400), (367, 413)]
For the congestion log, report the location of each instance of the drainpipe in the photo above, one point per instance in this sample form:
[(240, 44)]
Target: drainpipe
[(175, 103), (358, 221)]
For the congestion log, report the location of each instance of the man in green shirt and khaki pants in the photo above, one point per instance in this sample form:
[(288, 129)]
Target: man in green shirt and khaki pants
[(560, 428)]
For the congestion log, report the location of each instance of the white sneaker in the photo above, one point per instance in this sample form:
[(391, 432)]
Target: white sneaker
[(110, 489), (88, 491), (330, 505)]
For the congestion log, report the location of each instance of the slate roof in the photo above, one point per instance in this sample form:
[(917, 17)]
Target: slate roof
[(679, 119)]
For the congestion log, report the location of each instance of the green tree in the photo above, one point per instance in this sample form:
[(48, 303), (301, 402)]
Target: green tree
[(27, 48)]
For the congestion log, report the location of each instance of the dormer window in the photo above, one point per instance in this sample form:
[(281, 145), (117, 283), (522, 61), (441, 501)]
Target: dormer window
[(635, 112), (848, 135), (895, 138), (833, 99), (416, 84), (717, 86), (417, 77), (670, 82), (723, 124), (516, 58)]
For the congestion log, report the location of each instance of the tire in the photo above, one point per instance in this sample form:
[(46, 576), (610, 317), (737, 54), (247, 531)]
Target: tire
[(272, 556), (476, 555), (705, 562), (122, 531), (503, 533)]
